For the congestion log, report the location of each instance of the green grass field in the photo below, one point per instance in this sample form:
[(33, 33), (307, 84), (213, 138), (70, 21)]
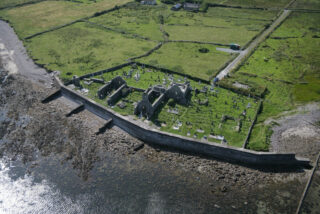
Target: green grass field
[(186, 58), (10, 3), (135, 19), (221, 102), (82, 48), (306, 4), (288, 65), (219, 25), (42, 16)]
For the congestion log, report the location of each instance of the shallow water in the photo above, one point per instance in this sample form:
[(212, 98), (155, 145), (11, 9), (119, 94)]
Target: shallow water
[(116, 186)]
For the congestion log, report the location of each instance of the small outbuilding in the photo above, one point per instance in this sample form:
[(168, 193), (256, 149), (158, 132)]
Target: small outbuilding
[(191, 7), (149, 2), (176, 7)]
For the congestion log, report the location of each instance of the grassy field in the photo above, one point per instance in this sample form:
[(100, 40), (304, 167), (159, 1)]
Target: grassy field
[(186, 58), (135, 19), (219, 25), (42, 16), (10, 3), (252, 3), (288, 65), (191, 117), (82, 48), (306, 4)]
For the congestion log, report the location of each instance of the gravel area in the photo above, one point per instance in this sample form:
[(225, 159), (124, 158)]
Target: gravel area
[(299, 132)]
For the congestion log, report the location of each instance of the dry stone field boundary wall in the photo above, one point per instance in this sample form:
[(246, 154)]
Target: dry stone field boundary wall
[(148, 53), (118, 31), (236, 7), (147, 134), (199, 42), (252, 125), (21, 5), (76, 21), (103, 71), (165, 70), (139, 64)]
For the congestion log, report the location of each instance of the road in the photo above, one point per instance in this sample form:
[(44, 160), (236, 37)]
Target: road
[(254, 44)]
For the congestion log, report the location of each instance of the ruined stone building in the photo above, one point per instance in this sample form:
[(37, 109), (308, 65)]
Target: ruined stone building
[(151, 98), (154, 96), (118, 85)]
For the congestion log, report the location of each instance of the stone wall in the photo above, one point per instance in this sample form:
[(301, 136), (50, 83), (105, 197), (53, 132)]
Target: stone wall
[(180, 93), (115, 83), (145, 107), (120, 92), (150, 135)]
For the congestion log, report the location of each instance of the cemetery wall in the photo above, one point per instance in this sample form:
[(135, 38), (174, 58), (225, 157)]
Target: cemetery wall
[(150, 135)]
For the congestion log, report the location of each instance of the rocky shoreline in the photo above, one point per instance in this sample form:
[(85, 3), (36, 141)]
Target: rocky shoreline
[(29, 127)]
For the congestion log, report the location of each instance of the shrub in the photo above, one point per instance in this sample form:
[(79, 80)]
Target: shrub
[(203, 50)]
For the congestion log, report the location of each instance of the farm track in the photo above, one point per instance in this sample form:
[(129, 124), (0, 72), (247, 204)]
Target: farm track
[(253, 45)]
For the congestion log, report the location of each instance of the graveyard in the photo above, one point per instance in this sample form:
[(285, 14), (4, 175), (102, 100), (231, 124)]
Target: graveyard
[(211, 113)]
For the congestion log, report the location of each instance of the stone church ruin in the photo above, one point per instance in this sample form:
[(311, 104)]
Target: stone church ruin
[(154, 96), (119, 88)]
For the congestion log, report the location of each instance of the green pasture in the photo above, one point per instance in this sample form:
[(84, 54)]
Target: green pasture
[(287, 64), (34, 18), (10, 3), (306, 4), (185, 58), (218, 25), (82, 48), (221, 102), (135, 19)]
